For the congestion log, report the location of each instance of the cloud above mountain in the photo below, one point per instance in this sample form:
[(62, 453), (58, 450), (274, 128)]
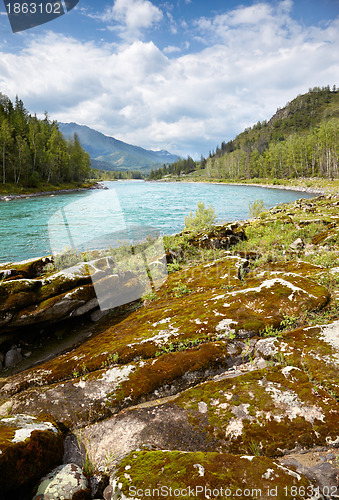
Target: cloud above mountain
[(245, 63)]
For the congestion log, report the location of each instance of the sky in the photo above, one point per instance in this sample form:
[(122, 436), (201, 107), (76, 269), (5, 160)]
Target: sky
[(180, 75)]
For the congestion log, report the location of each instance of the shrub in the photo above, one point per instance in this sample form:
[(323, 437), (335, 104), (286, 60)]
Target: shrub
[(203, 219), (256, 208)]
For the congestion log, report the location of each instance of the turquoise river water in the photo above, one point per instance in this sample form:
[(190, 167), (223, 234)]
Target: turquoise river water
[(127, 210)]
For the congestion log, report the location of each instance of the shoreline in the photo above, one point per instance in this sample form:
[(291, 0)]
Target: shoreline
[(10, 197), (302, 189)]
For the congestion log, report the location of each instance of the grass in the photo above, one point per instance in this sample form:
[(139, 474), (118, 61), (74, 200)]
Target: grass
[(110, 360), (150, 296), (181, 289), (181, 346), (14, 189), (272, 239)]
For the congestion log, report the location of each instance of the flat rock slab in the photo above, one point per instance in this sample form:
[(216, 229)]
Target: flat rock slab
[(315, 349), (102, 393), (157, 474), (184, 333), (29, 446), (264, 412)]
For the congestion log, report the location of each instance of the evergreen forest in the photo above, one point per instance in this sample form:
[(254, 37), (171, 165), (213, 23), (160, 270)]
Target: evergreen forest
[(300, 140), (33, 151)]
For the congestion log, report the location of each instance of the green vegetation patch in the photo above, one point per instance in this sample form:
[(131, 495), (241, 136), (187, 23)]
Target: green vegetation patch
[(165, 474)]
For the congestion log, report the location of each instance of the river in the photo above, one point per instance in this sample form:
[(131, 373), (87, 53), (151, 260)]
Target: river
[(33, 227)]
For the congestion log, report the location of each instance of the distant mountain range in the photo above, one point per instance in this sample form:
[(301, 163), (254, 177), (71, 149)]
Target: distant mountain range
[(108, 153)]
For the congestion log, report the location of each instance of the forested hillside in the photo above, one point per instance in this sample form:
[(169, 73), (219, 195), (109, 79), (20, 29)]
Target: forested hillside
[(34, 150), (300, 140)]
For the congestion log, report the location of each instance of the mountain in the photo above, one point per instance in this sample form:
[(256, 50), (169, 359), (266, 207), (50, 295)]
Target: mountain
[(300, 140), (300, 115), (108, 153)]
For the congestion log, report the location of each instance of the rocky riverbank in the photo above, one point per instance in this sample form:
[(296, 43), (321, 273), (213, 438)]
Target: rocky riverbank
[(303, 185), (223, 382), (10, 197)]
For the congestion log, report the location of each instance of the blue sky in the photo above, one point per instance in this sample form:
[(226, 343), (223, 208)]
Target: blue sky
[(180, 75)]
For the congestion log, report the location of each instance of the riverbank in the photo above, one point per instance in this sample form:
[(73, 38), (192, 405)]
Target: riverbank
[(316, 186), (231, 364), (56, 190)]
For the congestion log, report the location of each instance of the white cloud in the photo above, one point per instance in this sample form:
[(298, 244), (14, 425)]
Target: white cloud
[(170, 49), (132, 16), (184, 103)]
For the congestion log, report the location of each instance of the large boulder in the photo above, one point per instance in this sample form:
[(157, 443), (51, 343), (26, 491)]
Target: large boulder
[(29, 447)]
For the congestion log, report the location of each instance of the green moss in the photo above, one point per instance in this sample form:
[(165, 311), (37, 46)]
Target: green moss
[(228, 474), (307, 349), (179, 320)]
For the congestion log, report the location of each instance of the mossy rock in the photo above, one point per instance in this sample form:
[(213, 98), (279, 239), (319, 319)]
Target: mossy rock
[(181, 475), (24, 302), (274, 410), (314, 349), (198, 307), (55, 308), (29, 447), (325, 237), (265, 412), (31, 268), (66, 482), (92, 396)]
